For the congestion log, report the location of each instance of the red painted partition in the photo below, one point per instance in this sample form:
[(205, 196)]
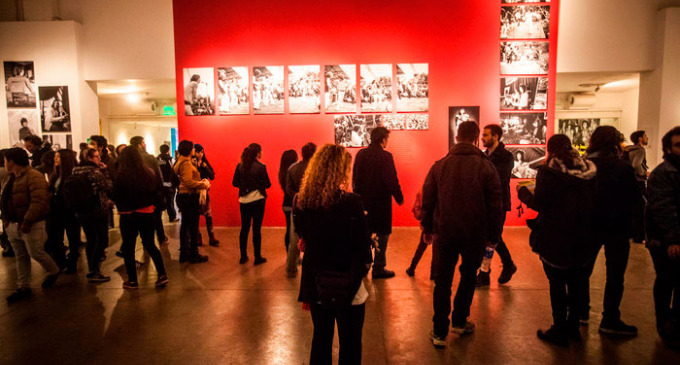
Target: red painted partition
[(459, 39)]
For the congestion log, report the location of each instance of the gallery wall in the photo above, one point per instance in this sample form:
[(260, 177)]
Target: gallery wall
[(460, 40)]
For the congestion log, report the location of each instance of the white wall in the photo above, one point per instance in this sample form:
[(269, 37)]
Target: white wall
[(53, 47)]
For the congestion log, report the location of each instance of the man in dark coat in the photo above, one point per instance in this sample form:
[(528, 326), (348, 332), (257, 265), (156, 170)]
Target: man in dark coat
[(37, 148), (663, 236), (375, 180), (462, 208), (503, 162)]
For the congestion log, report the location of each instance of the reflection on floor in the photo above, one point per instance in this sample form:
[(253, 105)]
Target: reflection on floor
[(223, 312)]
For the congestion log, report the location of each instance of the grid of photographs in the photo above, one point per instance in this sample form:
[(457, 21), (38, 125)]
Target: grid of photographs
[(524, 62)]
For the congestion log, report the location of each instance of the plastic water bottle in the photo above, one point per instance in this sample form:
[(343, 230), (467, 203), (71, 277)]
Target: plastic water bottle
[(486, 261)]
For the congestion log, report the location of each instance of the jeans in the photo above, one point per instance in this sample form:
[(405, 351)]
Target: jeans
[(30, 245), (293, 250), (60, 219), (616, 252), (502, 248), (96, 228), (422, 246), (169, 195), (380, 256), (566, 295), (251, 212), (350, 321), (131, 225), (447, 252), (666, 287), (189, 206)]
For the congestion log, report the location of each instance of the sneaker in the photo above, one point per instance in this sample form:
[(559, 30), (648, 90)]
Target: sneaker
[(19, 294), (483, 279), (383, 274), (507, 273), (410, 272), (213, 242), (162, 281), (617, 327), (438, 342), (197, 259), (468, 328), (259, 261), (554, 336), (132, 285), (243, 260), (97, 278), (50, 280)]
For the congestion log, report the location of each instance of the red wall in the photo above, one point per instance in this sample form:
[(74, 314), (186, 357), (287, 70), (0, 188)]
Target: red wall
[(459, 40)]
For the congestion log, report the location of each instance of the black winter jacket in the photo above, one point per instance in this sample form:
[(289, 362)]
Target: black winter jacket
[(256, 179), (503, 161), (462, 198), (129, 198), (375, 179), (662, 216)]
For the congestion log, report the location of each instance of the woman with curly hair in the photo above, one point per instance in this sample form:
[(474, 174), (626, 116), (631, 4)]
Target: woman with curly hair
[(337, 245)]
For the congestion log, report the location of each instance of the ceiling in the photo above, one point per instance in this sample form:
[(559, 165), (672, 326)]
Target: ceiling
[(609, 82), (146, 89)]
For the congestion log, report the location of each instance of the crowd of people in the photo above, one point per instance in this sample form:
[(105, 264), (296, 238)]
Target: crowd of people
[(339, 215)]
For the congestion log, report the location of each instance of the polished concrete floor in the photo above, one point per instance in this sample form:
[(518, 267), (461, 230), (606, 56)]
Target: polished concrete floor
[(225, 313)]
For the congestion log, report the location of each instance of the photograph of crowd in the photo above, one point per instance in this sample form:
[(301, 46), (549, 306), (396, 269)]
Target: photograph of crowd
[(268, 91), (524, 58), (412, 87), (304, 89), (578, 130), (232, 86), (417, 122), (393, 122), (460, 114), (527, 160), (524, 93), (199, 91), (20, 84), (341, 86), (376, 88), (59, 141), (523, 1), (524, 22), (54, 109), (524, 128), (355, 130), (22, 123)]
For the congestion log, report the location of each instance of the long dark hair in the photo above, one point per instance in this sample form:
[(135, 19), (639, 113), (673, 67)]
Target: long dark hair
[(288, 158), (559, 146), (132, 172), (605, 140), (249, 156), (47, 162), (199, 148), (67, 161)]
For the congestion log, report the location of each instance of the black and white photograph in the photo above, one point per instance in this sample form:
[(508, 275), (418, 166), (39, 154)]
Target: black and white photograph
[(525, 22), (376, 88), (20, 84), (341, 87), (524, 58), (59, 141), (304, 89), (55, 113), (527, 160), (460, 114), (417, 122), (578, 130), (412, 87), (22, 123), (232, 86), (393, 122), (524, 128), (355, 130), (523, 1), (268, 91), (199, 91), (524, 93)]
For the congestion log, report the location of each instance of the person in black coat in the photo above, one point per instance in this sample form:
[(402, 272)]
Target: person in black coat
[(617, 195), (207, 172), (662, 219), (375, 180), (252, 181), (564, 198), (503, 161), (337, 246), (462, 209)]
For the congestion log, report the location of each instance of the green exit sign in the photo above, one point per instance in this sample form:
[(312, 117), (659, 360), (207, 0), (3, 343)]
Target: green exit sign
[(169, 110)]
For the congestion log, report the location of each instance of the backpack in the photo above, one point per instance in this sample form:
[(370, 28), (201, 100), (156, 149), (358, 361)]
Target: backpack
[(79, 196)]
